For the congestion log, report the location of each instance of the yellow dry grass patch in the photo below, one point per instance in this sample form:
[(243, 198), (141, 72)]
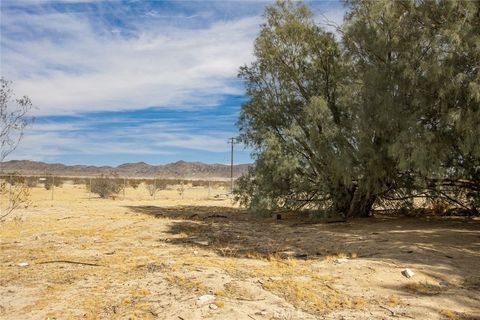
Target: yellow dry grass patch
[(187, 262), (423, 288), (219, 303), (449, 314), (311, 291), (312, 296), (394, 300), (187, 283), (17, 228)]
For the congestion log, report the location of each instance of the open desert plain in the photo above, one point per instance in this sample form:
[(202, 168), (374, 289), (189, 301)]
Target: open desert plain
[(240, 159), (201, 257)]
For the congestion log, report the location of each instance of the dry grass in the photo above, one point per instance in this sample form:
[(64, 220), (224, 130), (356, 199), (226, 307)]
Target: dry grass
[(394, 300), (423, 288), (147, 266), (313, 296), (448, 314), (187, 283)]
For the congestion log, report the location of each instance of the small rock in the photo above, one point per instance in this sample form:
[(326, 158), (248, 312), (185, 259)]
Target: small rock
[(408, 273), (195, 252), (342, 260), (206, 298), (443, 283), (213, 306), (23, 264)]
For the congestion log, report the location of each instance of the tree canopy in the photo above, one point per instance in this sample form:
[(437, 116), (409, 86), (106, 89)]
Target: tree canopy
[(386, 109)]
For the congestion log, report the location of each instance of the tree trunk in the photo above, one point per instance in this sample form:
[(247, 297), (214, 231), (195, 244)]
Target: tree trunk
[(360, 205)]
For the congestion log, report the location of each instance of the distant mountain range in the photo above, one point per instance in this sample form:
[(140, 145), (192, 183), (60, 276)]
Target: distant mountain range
[(179, 169)]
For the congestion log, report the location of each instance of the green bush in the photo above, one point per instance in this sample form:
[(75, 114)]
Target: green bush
[(107, 186)]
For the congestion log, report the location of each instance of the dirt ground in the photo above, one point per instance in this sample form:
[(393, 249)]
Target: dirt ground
[(139, 258)]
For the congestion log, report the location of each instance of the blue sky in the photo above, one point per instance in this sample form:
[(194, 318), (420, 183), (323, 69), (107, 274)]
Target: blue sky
[(128, 81)]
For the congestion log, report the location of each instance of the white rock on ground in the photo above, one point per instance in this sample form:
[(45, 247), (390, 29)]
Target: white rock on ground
[(341, 260), (408, 273), (206, 298)]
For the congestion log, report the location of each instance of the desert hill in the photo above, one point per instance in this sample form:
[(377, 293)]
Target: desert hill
[(179, 169)]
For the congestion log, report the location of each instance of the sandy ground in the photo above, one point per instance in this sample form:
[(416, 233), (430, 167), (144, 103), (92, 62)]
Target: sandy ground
[(139, 258)]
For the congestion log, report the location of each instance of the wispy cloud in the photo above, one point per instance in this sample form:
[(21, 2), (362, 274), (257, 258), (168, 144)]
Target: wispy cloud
[(119, 135), (66, 65), (117, 81)]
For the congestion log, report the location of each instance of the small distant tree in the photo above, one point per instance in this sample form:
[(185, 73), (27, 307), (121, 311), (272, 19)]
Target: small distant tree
[(107, 186), (13, 120), (151, 187), (155, 185), (181, 189), (48, 183)]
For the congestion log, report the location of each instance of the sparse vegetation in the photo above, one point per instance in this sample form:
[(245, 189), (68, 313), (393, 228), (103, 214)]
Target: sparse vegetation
[(13, 120), (382, 116), (107, 186), (52, 181), (155, 185), (181, 189), (205, 249), (134, 183)]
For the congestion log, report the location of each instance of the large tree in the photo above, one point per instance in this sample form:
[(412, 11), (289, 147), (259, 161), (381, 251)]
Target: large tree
[(417, 63), (335, 124), (296, 119)]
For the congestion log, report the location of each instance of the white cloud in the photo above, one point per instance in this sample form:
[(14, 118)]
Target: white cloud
[(47, 141), (78, 69)]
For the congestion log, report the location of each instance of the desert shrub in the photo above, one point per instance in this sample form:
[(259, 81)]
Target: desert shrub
[(153, 186), (49, 181), (134, 183), (59, 181), (14, 119), (220, 184), (16, 194), (14, 179), (80, 181), (31, 181), (196, 183), (162, 184), (106, 186), (47, 184), (199, 183)]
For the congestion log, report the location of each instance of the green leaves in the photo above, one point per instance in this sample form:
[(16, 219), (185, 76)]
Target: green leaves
[(333, 122)]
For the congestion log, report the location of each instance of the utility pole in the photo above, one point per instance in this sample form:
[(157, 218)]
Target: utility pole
[(124, 187), (232, 142), (154, 187), (53, 185), (10, 200)]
